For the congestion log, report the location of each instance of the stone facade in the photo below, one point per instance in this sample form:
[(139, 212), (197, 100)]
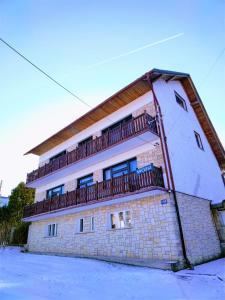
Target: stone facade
[(70, 185), (154, 156), (153, 234), (98, 175), (201, 238), (149, 108), (39, 196)]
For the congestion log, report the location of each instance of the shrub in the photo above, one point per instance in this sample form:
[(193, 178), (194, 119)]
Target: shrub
[(20, 234)]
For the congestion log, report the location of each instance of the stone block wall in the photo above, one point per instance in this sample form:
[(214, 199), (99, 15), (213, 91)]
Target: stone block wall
[(153, 234), (149, 108), (98, 175), (154, 156), (201, 238), (39, 196), (70, 185)]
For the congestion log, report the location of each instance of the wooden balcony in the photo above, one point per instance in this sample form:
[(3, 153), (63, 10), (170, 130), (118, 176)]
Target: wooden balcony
[(100, 191), (113, 137)]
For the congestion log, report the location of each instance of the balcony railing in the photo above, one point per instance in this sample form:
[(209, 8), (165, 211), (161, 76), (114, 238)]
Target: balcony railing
[(127, 130), (100, 191)]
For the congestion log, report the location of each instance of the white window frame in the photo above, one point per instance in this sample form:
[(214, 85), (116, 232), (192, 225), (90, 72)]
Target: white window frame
[(50, 232), (116, 214)]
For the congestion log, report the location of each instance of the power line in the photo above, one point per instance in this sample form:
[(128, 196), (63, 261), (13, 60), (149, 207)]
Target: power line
[(52, 79), (43, 72), (213, 65)]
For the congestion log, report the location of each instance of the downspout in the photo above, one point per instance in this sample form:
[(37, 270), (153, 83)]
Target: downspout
[(163, 140)]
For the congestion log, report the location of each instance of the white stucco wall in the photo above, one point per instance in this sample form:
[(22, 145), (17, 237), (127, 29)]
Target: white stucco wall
[(195, 171)]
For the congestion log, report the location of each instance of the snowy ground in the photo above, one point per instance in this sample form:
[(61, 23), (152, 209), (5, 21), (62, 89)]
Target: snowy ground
[(41, 277)]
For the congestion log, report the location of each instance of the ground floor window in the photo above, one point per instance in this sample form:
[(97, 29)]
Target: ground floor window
[(52, 230), (85, 224), (120, 219)]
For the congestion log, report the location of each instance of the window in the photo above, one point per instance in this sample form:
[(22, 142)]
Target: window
[(53, 158), (85, 181), (180, 101), (198, 140), (58, 190), (120, 169), (223, 177), (120, 220), (117, 124), (222, 217), (81, 225), (52, 230), (84, 142), (92, 223), (85, 224)]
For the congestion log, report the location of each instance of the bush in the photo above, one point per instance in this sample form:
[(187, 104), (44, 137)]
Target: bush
[(20, 234)]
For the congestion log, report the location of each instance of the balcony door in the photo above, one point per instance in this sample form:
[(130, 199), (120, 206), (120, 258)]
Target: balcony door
[(120, 169), (120, 183), (114, 131)]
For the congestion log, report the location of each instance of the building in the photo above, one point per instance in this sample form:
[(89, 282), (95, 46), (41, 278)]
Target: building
[(132, 180), (4, 201)]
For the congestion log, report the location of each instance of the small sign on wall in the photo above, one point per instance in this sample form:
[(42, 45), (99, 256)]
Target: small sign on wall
[(164, 201)]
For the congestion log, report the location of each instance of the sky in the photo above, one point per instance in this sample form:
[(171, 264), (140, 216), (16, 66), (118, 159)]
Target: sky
[(88, 47)]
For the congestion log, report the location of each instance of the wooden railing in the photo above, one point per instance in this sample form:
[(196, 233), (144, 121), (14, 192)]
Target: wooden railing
[(131, 128), (99, 191)]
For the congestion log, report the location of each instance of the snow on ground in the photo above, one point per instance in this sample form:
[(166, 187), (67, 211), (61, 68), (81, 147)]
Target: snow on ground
[(26, 276)]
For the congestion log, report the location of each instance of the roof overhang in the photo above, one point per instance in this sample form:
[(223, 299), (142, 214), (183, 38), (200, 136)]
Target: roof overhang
[(128, 94)]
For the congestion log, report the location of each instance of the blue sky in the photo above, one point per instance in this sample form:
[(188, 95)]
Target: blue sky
[(65, 38)]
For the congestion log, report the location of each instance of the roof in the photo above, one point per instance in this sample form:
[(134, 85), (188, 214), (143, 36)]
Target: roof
[(128, 94)]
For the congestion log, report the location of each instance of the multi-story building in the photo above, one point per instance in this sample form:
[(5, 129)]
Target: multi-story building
[(132, 180)]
